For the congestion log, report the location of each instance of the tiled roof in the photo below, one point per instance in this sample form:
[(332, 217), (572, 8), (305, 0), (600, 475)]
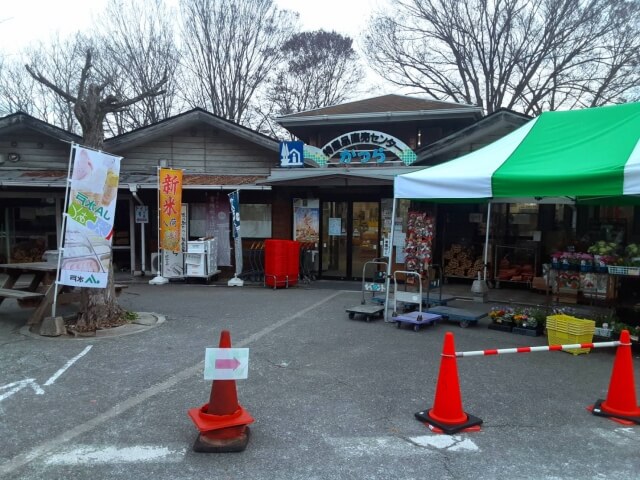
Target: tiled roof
[(385, 103), (58, 178), (190, 179)]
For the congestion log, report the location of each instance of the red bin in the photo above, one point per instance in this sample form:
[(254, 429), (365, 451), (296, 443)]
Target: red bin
[(281, 262)]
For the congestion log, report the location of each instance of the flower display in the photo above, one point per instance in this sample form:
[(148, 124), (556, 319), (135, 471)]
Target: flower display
[(520, 317)]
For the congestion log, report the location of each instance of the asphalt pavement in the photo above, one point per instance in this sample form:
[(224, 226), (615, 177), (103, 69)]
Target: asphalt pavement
[(332, 398)]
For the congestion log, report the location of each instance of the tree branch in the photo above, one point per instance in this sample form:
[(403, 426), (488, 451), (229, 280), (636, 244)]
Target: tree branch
[(39, 78)]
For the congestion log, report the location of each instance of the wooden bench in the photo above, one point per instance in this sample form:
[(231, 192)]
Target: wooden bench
[(19, 294)]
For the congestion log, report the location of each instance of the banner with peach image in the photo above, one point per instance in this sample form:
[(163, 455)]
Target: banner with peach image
[(86, 253), (170, 202)]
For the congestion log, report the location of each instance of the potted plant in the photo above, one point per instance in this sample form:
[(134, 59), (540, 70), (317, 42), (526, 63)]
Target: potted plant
[(604, 254), (501, 319), (604, 325), (529, 322), (586, 262)]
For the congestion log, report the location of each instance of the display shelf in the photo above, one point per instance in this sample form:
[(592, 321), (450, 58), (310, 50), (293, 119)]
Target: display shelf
[(525, 258)]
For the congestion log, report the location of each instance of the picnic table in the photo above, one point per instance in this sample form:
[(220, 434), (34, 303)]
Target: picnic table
[(41, 290)]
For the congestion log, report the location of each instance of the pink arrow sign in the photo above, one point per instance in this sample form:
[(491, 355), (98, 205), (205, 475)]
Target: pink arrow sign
[(227, 363)]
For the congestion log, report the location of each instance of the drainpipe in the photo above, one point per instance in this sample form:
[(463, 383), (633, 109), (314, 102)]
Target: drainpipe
[(134, 193)]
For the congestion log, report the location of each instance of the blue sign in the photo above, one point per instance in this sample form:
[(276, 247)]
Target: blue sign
[(291, 154), (234, 202)]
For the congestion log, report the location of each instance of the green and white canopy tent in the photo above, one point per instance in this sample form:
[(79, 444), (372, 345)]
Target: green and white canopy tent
[(581, 155), (578, 156)]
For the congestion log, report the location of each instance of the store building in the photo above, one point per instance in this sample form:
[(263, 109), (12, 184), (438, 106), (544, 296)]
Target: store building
[(348, 204), (352, 193), (217, 156), (338, 200)]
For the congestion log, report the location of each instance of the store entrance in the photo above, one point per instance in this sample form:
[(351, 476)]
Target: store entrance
[(350, 238)]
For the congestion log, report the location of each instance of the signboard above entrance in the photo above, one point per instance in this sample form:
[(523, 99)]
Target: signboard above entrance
[(372, 147)]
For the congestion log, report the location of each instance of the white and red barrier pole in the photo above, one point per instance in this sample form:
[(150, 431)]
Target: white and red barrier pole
[(544, 348)]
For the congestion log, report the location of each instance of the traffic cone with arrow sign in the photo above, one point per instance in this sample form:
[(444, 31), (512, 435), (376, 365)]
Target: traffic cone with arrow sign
[(223, 423)]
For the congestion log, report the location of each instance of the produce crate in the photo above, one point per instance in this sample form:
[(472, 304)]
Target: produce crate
[(622, 270), (564, 329)]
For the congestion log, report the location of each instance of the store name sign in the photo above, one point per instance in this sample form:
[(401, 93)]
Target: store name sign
[(341, 150)]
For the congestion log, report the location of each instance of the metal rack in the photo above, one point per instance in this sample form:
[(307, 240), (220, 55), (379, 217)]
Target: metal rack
[(515, 249)]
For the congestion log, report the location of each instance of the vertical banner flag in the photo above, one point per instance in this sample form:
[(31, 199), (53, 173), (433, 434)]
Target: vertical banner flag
[(234, 201), (86, 252), (170, 186)]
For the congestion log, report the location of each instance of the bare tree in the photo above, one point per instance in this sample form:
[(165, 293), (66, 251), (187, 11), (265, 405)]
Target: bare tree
[(531, 55), (92, 102), (320, 69), (230, 48), (56, 60), (137, 49)]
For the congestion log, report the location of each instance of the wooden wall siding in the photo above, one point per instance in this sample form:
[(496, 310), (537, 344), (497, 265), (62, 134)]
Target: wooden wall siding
[(282, 217), (36, 151), (201, 151)]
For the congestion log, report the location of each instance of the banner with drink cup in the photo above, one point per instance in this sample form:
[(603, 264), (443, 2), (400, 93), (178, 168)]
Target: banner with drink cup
[(86, 256)]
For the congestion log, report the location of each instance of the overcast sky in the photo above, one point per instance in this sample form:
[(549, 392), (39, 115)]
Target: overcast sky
[(23, 22), (26, 20)]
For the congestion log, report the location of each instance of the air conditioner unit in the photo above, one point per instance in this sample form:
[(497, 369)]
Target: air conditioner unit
[(155, 263)]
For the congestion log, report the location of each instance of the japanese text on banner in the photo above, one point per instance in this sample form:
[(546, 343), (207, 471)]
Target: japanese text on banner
[(86, 257), (170, 185)]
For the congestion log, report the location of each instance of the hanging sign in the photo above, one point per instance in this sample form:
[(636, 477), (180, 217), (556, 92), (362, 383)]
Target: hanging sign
[(234, 203), (361, 147), (291, 154), (226, 363), (170, 185), (142, 214), (86, 256)]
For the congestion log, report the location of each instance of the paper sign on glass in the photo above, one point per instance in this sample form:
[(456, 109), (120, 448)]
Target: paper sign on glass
[(226, 363)]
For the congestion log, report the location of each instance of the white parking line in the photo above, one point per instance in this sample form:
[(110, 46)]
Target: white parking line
[(118, 409), (17, 386), (55, 376), (93, 454)]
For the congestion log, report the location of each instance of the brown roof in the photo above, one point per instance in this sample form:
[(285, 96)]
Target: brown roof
[(187, 179), (385, 103), (190, 179)]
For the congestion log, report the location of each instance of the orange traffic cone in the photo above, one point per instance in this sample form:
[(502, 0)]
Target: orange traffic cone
[(447, 415), (621, 405), (222, 422)]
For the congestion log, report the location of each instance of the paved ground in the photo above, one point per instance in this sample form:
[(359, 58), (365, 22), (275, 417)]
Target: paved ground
[(332, 397)]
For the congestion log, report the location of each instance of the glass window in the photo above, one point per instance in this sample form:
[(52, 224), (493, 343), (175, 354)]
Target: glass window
[(255, 220)]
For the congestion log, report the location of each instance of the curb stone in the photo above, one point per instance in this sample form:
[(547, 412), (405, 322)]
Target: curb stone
[(145, 321)]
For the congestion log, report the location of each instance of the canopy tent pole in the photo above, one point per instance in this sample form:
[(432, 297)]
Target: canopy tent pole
[(486, 241), (389, 263)]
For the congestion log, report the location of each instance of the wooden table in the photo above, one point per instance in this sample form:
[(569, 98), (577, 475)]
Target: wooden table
[(42, 289)]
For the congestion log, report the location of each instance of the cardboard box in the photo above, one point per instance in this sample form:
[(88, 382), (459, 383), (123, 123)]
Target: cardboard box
[(539, 283)]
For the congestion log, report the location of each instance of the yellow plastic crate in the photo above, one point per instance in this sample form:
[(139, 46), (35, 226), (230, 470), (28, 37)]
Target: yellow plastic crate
[(562, 338), (569, 324)]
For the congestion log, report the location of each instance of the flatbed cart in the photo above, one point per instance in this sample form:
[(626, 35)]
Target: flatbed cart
[(454, 314), (369, 310), (440, 298), (416, 318)]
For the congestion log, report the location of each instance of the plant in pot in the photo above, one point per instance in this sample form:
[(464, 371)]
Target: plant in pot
[(604, 254), (586, 262), (501, 318), (529, 322)]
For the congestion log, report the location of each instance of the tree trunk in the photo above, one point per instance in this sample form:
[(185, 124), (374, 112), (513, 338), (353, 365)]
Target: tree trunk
[(99, 307)]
